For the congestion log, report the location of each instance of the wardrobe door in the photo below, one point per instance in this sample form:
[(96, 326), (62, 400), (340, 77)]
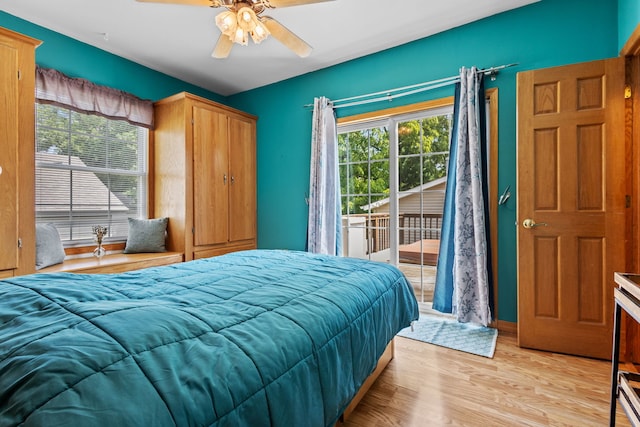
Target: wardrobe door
[(242, 190), (9, 157), (211, 177)]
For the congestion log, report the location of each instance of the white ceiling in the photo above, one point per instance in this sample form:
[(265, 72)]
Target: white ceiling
[(178, 40)]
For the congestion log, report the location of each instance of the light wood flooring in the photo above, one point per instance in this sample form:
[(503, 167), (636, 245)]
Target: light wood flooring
[(427, 385)]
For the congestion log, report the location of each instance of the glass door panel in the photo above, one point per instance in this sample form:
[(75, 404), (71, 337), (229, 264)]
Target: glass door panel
[(364, 181), (423, 148)]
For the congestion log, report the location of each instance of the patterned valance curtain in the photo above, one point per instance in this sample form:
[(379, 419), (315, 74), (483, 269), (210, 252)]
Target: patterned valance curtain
[(324, 234), (463, 285), (53, 87)]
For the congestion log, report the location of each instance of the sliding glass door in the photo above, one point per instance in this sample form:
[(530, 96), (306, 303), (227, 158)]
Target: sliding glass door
[(393, 175)]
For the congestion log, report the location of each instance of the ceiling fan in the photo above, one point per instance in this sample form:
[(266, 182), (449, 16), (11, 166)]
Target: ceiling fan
[(243, 18)]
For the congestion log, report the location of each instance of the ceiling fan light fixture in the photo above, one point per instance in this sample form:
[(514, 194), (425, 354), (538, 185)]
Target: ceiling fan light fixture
[(259, 33), (243, 18), (241, 37), (247, 19), (227, 23)]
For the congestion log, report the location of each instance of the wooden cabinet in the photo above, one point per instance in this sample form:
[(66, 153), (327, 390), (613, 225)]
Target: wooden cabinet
[(204, 173), (17, 129)]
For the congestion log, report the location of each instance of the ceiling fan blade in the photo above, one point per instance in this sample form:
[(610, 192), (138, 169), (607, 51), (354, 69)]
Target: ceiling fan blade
[(287, 3), (210, 3), (223, 47), (286, 37)]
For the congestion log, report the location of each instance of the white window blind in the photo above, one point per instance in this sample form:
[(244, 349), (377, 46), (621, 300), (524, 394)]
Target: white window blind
[(90, 170)]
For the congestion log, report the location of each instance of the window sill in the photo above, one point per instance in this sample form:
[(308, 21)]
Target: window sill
[(115, 263)]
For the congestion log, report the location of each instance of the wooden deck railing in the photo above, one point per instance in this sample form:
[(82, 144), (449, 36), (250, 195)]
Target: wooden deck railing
[(378, 232), (413, 227)]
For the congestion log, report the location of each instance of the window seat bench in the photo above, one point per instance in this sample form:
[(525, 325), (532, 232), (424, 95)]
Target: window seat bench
[(114, 263)]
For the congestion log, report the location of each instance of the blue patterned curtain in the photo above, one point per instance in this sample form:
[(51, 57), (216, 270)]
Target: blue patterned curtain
[(324, 234), (463, 284)]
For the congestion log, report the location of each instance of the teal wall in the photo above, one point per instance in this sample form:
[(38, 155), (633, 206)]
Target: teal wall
[(628, 19), (77, 59), (548, 33)]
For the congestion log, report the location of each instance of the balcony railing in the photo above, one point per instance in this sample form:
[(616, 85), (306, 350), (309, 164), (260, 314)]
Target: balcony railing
[(412, 227)]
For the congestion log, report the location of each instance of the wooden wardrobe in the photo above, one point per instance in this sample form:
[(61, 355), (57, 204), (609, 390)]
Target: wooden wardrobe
[(17, 168), (204, 169)]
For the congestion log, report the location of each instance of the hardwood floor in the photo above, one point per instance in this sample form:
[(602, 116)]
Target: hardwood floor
[(427, 385)]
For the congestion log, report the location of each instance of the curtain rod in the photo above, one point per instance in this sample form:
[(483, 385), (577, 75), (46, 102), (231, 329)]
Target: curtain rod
[(389, 95)]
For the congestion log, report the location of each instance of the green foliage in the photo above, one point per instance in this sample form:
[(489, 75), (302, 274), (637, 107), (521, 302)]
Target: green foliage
[(423, 148), (423, 152), (364, 167)]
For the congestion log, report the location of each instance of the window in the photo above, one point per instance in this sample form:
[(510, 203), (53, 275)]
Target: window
[(90, 170)]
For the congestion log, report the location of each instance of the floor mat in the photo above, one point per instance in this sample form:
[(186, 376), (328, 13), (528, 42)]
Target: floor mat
[(449, 333)]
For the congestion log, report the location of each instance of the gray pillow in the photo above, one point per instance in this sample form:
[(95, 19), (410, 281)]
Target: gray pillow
[(49, 249), (146, 235)]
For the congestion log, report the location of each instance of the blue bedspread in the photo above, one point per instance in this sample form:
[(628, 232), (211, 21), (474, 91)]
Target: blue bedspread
[(253, 338)]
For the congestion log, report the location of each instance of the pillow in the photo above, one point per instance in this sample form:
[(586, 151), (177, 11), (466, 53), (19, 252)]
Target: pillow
[(146, 235), (49, 250)]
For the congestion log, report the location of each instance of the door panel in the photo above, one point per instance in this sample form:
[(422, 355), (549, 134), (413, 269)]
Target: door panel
[(9, 158), (242, 193), (571, 173), (211, 177)]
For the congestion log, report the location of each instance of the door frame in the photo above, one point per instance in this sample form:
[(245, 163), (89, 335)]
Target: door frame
[(630, 344)]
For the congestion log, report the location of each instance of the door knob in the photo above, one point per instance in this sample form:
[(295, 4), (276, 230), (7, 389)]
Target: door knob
[(529, 223)]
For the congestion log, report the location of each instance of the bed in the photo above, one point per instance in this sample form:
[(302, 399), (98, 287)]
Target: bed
[(253, 338)]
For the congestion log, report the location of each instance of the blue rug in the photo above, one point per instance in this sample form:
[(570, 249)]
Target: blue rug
[(449, 333)]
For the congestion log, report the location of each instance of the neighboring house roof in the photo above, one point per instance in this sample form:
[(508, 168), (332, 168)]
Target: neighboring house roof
[(427, 186), (54, 186)]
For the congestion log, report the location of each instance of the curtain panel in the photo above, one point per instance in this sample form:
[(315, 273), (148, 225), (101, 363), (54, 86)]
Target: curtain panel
[(463, 284), (324, 234), (54, 87), (443, 292)]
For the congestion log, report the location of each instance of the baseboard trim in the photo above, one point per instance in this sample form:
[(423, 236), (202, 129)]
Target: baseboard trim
[(505, 327)]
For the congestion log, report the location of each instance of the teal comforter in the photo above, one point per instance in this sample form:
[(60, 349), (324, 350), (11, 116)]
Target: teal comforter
[(255, 338)]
